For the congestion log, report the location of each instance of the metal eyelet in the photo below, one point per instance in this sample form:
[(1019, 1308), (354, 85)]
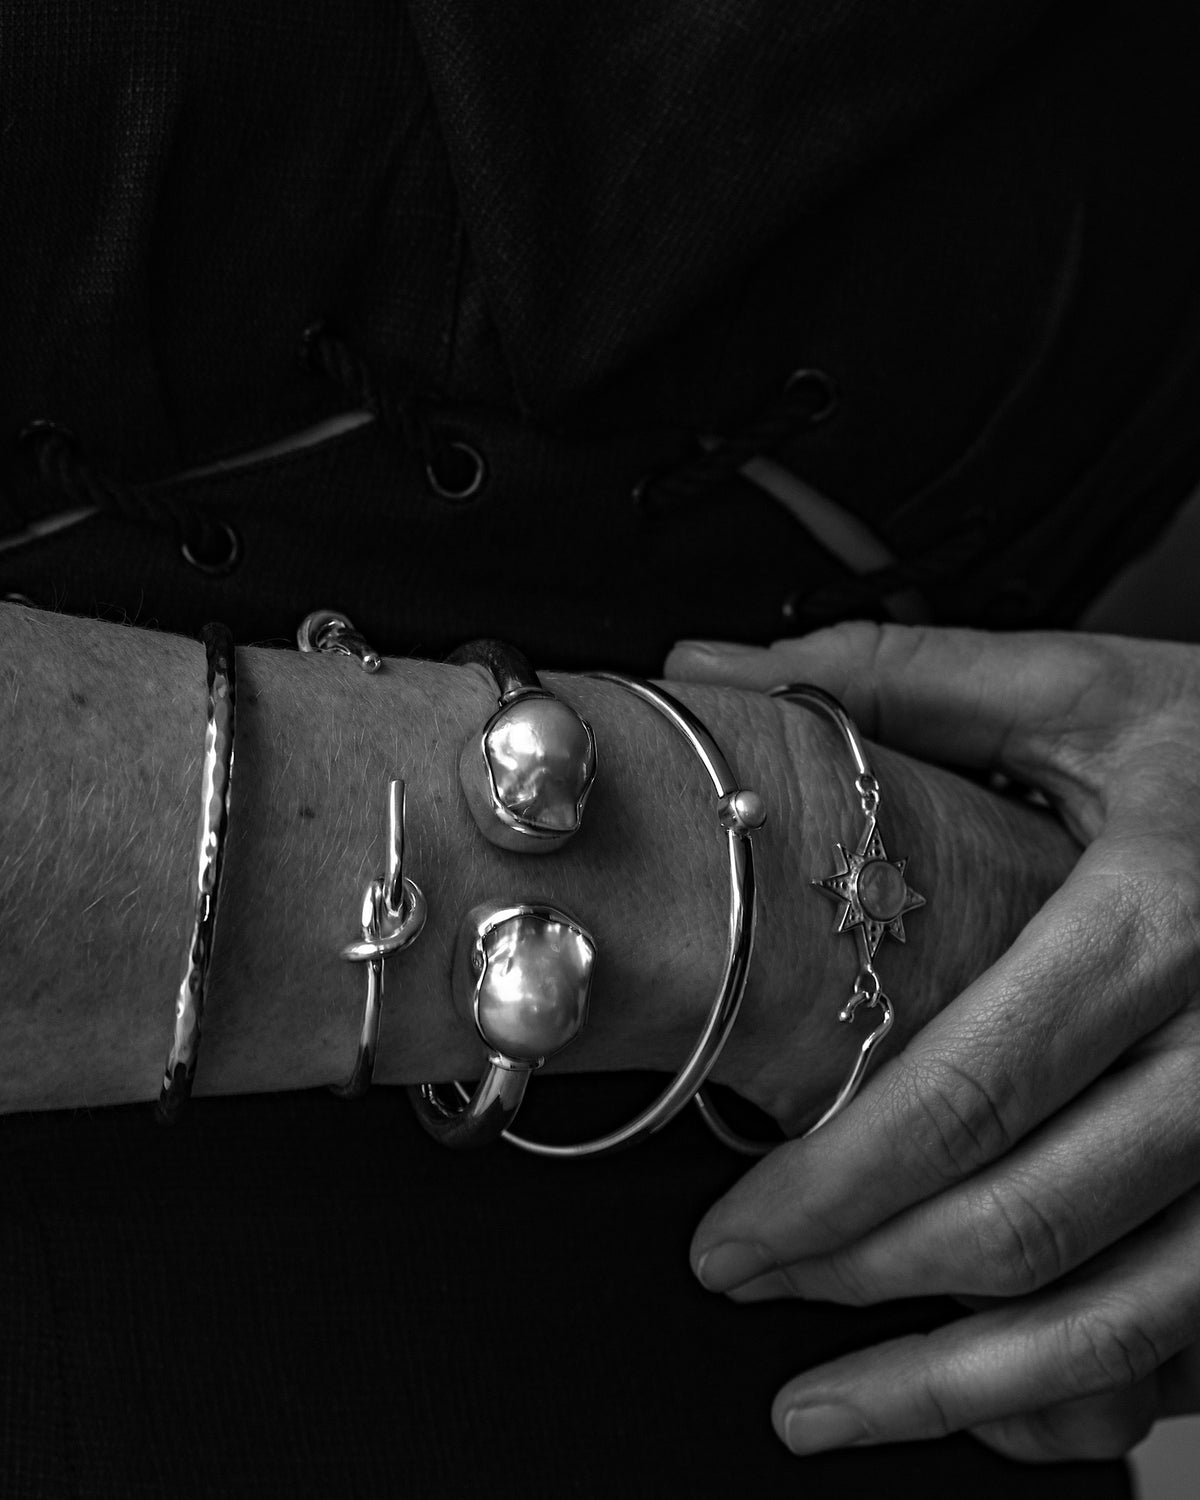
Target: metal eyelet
[(224, 562), (639, 491), (307, 339), (40, 428), (823, 384), (474, 481)]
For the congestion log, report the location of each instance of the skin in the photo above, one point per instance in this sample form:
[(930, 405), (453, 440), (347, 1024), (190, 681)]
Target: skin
[(1035, 1149), (102, 727)]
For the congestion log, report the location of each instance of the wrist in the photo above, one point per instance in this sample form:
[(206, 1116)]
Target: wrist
[(983, 864)]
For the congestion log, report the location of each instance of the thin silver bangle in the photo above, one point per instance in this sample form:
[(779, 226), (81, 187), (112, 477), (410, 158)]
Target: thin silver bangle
[(393, 915), (216, 777), (739, 813), (393, 911), (866, 914)]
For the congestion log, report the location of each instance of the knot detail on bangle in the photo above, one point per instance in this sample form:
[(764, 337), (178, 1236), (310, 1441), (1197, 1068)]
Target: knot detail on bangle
[(393, 914), (384, 931)]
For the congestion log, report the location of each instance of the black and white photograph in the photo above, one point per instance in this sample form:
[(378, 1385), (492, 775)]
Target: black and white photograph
[(599, 749)]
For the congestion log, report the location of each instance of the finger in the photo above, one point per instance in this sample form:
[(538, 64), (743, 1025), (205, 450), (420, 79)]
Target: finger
[(962, 697), (1094, 1428), (1106, 1330), (943, 694), (1127, 1149), (1106, 961), (1179, 1383)]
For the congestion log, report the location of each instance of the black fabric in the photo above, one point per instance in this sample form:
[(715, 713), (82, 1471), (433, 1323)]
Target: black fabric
[(581, 239), (993, 256), (291, 1296)]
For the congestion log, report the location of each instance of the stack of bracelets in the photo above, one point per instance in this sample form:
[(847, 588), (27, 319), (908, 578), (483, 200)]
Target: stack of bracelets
[(523, 970)]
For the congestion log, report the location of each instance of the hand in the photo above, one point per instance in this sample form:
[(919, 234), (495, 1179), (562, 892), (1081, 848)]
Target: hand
[(1035, 1151)]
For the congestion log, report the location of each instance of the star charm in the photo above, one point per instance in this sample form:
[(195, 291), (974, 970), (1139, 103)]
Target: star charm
[(873, 890)]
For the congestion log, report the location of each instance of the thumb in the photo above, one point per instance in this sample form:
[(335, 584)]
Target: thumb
[(963, 697)]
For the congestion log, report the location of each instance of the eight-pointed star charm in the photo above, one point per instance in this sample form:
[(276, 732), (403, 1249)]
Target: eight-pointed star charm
[(873, 890)]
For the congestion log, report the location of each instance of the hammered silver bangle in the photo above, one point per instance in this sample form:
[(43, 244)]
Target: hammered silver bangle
[(739, 813), (874, 896), (216, 776)]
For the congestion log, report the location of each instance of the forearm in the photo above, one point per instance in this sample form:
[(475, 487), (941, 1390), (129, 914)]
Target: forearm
[(99, 803), (103, 736), (99, 794), (99, 789)]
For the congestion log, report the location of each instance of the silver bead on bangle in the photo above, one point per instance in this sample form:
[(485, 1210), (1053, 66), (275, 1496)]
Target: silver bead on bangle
[(875, 897), (216, 776)]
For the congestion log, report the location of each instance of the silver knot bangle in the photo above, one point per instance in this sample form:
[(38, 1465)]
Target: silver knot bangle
[(874, 896), (393, 907), (393, 915)]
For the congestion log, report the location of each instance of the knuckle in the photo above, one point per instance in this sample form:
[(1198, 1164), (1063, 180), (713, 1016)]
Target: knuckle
[(853, 1285), (1152, 915), (895, 651), (936, 1418), (1107, 1350), (1094, 673), (955, 1122), (1020, 1246), (891, 645), (1098, 664), (1175, 901)]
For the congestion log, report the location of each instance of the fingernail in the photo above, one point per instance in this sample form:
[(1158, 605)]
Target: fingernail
[(812, 1429), (717, 648), (730, 1264)]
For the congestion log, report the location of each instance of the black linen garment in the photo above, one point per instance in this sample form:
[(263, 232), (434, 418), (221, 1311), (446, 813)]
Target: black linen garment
[(578, 240)]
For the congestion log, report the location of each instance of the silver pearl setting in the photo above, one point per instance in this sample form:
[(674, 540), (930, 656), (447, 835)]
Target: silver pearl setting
[(523, 976), (538, 761), (526, 979)]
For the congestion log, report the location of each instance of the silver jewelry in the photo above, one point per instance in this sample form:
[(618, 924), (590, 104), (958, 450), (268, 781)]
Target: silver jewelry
[(393, 906), (875, 897), (523, 974), (527, 776), (326, 630), (216, 775), (739, 813), (393, 914)]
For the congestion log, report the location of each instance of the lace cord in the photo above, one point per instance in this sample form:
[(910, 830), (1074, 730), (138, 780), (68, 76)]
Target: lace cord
[(402, 416), (807, 399), (456, 471), (206, 541)]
